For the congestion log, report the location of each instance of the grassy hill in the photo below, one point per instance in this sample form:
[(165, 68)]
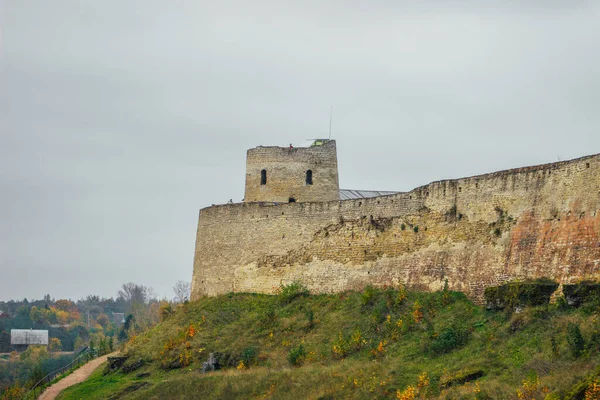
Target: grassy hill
[(379, 343)]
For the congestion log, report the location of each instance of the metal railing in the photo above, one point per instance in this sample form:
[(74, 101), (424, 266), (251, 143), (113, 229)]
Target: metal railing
[(86, 354)]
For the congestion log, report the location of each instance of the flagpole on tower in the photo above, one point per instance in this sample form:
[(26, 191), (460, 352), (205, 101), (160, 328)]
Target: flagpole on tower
[(330, 117)]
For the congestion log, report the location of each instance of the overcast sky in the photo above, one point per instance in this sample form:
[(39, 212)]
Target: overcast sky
[(120, 119)]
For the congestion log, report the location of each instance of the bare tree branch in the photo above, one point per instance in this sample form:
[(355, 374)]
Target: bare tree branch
[(134, 293), (182, 291)]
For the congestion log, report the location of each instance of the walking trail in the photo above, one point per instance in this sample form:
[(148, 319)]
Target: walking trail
[(79, 375)]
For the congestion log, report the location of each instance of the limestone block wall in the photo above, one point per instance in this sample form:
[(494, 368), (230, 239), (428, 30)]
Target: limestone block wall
[(474, 232), (286, 169)]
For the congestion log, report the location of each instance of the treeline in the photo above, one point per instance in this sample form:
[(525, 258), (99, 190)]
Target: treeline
[(74, 321), (91, 321)]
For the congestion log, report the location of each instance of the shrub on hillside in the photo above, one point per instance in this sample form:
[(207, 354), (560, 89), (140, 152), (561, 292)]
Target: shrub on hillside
[(297, 355), (380, 311), (268, 317), (249, 356), (165, 310), (583, 292), (15, 392), (449, 339), (575, 340), (287, 293), (368, 296), (346, 344), (310, 316)]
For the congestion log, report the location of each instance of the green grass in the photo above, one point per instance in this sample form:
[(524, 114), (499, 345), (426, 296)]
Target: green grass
[(352, 347)]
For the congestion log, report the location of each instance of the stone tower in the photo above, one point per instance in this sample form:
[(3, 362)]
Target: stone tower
[(285, 174)]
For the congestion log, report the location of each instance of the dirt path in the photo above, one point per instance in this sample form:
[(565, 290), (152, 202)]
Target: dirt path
[(76, 377)]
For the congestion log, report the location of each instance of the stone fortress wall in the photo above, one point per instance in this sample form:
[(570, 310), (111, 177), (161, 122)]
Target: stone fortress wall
[(540, 221), (285, 170)]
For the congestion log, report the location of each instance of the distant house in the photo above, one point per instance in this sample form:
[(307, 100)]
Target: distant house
[(20, 339), (4, 315), (118, 318)]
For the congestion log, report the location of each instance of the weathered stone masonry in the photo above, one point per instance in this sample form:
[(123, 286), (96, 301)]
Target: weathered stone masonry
[(474, 232), (285, 172)]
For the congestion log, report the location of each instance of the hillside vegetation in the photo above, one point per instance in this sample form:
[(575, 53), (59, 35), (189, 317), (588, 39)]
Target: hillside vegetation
[(379, 343)]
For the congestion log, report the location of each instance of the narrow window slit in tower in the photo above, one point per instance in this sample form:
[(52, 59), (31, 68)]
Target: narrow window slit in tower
[(292, 200), (263, 177), (309, 180)]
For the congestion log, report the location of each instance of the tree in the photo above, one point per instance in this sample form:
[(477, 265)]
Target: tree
[(79, 343), (182, 291), (23, 311), (134, 293), (37, 315), (34, 353), (69, 307), (37, 374), (65, 305), (55, 345), (165, 310), (62, 317), (103, 320), (92, 299), (128, 326), (4, 341)]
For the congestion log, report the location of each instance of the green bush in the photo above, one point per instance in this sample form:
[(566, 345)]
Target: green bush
[(249, 355), (580, 293), (380, 311), (448, 340), (390, 296), (577, 391), (268, 317), (561, 303), (594, 342), (575, 340), (292, 291), (310, 316), (368, 296), (297, 355)]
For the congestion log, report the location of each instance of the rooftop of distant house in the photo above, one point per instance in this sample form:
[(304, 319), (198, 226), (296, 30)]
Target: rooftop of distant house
[(28, 336)]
